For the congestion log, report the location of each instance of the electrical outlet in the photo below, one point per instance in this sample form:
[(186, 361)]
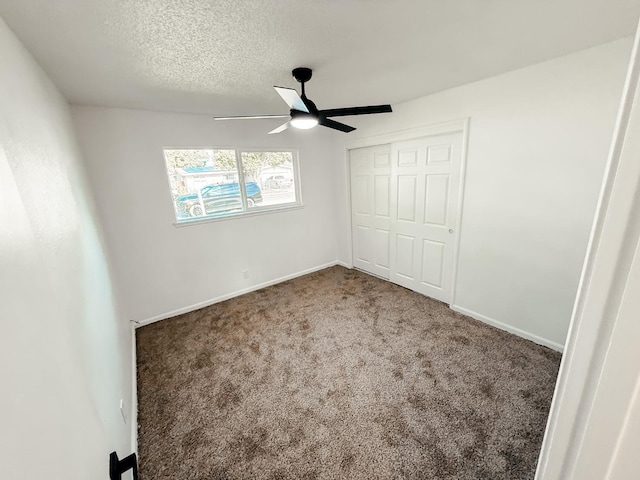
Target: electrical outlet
[(123, 411), (245, 274)]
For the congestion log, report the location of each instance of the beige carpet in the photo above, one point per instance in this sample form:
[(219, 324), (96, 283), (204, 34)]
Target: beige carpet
[(338, 375)]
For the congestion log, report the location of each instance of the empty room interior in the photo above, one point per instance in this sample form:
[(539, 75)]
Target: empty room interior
[(414, 258)]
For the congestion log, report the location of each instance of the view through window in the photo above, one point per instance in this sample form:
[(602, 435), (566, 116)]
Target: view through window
[(218, 183)]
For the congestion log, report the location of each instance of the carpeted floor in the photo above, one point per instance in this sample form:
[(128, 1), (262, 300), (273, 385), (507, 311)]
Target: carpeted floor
[(338, 375)]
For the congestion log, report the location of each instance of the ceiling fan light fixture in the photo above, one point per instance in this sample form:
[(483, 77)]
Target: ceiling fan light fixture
[(304, 123), (304, 113)]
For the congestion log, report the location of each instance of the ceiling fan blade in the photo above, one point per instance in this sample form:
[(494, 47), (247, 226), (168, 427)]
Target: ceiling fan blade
[(335, 125), (281, 128), (291, 97), (343, 112), (250, 117)]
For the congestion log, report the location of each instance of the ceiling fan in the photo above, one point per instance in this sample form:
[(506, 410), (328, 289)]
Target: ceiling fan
[(304, 114)]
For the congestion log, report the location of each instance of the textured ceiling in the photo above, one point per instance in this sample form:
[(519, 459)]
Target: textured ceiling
[(223, 56)]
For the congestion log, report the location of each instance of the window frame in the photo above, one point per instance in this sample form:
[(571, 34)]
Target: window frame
[(256, 209)]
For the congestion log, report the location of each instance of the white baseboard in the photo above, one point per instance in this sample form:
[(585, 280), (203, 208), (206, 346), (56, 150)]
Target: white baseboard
[(470, 313), (503, 326), (237, 293)]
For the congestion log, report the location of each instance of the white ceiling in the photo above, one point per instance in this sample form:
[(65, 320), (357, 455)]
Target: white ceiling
[(223, 56)]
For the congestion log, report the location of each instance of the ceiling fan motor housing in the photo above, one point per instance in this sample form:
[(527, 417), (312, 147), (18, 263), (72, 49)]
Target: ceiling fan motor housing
[(299, 114)]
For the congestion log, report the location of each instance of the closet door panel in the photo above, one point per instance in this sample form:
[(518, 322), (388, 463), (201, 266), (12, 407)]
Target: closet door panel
[(370, 208)]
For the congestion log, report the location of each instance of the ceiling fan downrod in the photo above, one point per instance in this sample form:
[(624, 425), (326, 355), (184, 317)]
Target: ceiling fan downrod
[(302, 75)]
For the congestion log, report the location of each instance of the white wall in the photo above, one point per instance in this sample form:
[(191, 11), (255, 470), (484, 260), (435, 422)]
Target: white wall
[(65, 349), (537, 148), (593, 430), (163, 269)]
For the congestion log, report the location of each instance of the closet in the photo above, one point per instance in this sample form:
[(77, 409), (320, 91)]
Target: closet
[(405, 199)]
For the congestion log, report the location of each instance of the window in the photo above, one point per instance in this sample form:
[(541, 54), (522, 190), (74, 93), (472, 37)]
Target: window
[(212, 183)]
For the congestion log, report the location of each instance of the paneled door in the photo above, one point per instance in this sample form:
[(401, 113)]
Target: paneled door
[(371, 208), (424, 191)]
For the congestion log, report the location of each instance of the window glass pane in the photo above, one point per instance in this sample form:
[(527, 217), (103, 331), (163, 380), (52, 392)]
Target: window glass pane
[(203, 182), (269, 178)]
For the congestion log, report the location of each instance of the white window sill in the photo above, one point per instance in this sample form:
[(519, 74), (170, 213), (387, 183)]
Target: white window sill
[(252, 213)]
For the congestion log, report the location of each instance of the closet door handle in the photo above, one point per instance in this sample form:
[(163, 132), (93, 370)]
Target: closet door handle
[(451, 230)]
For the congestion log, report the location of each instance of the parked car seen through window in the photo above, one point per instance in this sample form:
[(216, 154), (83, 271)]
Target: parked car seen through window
[(207, 183)]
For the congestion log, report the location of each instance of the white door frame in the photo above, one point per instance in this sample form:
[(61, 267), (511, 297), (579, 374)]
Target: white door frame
[(567, 449), (453, 126)]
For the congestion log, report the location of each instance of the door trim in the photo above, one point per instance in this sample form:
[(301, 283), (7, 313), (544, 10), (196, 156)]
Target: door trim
[(452, 126), (614, 235)]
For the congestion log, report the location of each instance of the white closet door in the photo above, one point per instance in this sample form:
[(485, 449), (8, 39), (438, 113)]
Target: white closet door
[(371, 208), (424, 191)]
